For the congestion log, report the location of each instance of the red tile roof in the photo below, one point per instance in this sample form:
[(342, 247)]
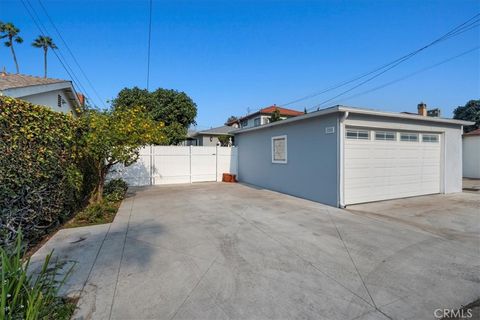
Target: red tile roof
[(283, 111), (473, 133)]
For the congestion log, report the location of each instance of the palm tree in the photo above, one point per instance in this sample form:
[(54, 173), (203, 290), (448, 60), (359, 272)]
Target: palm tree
[(10, 32), (45, 43)]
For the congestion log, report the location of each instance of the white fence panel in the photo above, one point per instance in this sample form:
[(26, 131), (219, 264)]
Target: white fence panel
[(171, 164), (178, 164), (203, 164), (137, 174), (227, 161)]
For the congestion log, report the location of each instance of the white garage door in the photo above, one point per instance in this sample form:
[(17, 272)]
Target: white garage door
[(382, 164)]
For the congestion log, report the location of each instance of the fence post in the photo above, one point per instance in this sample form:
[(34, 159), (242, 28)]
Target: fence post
[(216, 163), (152, 158), (190, 158)]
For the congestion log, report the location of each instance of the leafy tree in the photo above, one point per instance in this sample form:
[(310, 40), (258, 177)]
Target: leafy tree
[(275, 116), (44, 42), (470, 112), (173, 108), (114, 137), (231, 119), (224, 140), (9, 32)]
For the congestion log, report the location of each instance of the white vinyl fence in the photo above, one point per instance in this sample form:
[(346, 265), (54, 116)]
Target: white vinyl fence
[(178, 164)]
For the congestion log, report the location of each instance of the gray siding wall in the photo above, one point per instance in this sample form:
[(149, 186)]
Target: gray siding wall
[(311, 171), (452, 134)]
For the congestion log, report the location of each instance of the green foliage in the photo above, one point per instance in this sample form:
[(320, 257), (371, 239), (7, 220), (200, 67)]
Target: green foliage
[(176, 110), (28, 295), (224, 140), (275, 116), (115, 190), (469, 112), (40, 183), (105, 210), (115, 136)]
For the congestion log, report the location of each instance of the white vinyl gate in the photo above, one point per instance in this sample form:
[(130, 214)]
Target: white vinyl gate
[(178, 164)]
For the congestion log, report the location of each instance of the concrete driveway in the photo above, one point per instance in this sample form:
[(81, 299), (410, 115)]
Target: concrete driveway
[(230, 251)]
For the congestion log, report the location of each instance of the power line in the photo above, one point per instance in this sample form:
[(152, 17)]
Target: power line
[(411, 74), (71, 54), (399, 61), (64, 64), (149, 44), (465, 26)]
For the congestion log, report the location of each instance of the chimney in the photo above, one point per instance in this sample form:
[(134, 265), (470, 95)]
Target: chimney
[(422, 109), (81, 98)]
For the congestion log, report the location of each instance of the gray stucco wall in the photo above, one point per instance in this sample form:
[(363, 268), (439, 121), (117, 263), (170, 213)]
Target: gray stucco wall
[(204, 140), (452, 134), (311, 171)]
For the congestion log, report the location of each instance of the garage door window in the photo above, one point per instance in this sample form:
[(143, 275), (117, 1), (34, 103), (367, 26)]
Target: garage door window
[(412, 137), (385, 135), (357, 134), (430, 138), (279, 149)]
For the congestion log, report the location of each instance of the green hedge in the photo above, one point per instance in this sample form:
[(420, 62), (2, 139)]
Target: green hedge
[(41, 181)]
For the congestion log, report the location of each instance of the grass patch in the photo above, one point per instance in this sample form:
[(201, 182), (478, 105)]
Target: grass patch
[(102, 212)]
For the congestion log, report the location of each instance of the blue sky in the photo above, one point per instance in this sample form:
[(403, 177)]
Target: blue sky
[(231, 56)]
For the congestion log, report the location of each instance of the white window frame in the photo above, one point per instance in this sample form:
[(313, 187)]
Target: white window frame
[(357, 137), (273, 149), (257, 122), (385, 133), (411, 134), (244, 123), (437, 137)]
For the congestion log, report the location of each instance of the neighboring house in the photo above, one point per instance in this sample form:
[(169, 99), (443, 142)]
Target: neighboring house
[(262, 117), (57, 94), (210, 137), (471, 154), (342, 155)]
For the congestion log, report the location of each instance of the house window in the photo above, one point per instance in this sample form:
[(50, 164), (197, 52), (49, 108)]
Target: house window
[(412, 137), (244, 123), (256, 122), (430, 138), (385, 135), (279, 149), (358, 134)]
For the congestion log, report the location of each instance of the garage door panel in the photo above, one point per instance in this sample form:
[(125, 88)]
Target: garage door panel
[(382, 170)]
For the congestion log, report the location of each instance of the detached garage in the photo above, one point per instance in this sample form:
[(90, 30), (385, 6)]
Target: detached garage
[(342, 155)]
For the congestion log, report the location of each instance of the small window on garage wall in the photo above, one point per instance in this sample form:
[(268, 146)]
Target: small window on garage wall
[(357, 134), (256, 122), (385, 135), (408, 136), (430, 138), (279, 149)]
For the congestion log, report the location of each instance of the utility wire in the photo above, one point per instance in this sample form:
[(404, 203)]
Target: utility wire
[(58, 54), (409, 75), (394, 65), (71, 54), (465, 26), (149, 44)]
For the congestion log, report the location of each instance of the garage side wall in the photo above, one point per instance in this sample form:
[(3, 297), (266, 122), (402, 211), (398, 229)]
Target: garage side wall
[(311, 168), (471, 157), (452, 134)]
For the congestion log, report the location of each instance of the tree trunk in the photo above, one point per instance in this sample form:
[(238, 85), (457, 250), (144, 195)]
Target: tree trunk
[(45, 60), (14, 56)]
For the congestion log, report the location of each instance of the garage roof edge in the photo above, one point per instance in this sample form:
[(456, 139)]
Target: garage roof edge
[(340, 108)]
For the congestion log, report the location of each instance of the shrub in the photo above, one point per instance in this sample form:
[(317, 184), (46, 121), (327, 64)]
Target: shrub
[(29, 296), (40, 182), (115, 190)]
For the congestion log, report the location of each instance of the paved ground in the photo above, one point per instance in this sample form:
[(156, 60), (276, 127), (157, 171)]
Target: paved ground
[(230, 251)]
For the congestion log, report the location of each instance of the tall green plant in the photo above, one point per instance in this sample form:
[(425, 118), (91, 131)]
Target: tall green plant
[(29, 295), (115, 137), (9, 32), (44, 43)]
